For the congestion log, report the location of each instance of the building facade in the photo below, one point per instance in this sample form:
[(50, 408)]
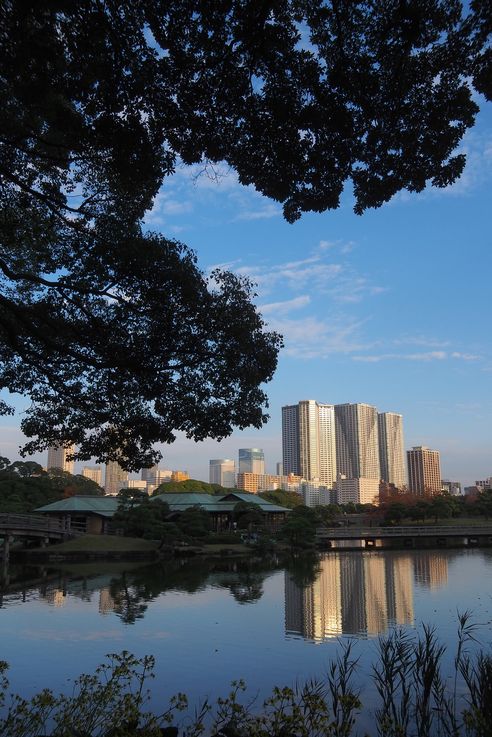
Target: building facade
[(357, 490), (57, 458), (357, 442), (424, 471), (251, 460), (222, 471), (94, 473), (114, 478), (391, 448), (308, 441)]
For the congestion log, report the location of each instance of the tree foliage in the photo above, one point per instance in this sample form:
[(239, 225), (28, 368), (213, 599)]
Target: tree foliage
[(24, 486), (114, 333)]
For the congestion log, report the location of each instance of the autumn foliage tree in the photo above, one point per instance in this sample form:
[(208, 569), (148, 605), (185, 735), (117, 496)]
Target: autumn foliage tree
[(113, 332)]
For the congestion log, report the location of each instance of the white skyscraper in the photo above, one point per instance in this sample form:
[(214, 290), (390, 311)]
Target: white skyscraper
[(94, 473), (356, 430), (308, 441), (391, 448), (114, 478), (57, 458), (222, 471), (251, 460)]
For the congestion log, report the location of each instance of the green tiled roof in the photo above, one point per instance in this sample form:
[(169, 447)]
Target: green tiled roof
[(105, 506), (191, 499)]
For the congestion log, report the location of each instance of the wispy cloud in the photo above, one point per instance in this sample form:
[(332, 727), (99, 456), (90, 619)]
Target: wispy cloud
[(263, 212), (283, 308), (421, 340), (311, 337), (425, 356)]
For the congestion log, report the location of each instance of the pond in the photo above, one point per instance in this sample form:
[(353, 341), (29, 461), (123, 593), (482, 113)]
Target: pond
[(208, 622)]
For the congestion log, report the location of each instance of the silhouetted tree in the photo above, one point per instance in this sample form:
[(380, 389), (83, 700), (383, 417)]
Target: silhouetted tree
[(114, 333)]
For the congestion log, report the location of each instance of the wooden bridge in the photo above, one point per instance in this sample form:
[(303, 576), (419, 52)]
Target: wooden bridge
[(408, 537), (29, 527)]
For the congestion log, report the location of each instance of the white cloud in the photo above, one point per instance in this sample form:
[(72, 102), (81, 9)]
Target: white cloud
[(465, 356), (310, 337), (429, 356), (267, 210), (283, 308), (421, 340)]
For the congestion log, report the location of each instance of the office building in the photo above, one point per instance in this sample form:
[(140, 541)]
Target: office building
[(251, 460), (451, 487), (222, 471), (357, 490), (391, 449), (424, 471), (114, 478), (178, 476), (357, 445), (308, 441), (57, 458), (94, 473), (155, 476)]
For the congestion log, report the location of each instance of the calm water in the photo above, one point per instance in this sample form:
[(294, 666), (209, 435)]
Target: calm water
[(208, 623)]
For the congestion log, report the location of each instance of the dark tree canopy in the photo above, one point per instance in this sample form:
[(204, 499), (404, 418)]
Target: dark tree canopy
[(114, 333)]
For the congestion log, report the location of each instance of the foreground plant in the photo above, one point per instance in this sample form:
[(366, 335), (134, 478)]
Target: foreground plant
[(414, 699)]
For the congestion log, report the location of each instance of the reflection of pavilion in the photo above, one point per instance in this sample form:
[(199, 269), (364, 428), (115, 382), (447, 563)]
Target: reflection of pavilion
[(353, 594)]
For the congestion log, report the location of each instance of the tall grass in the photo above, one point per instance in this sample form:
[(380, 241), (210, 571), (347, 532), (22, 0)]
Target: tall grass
[(414, 699)]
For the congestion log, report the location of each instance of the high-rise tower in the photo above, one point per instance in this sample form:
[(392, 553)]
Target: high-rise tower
[(251, 460), (308, 441), (356, 430), (57, 458), (114, 478), (222, 471), (424, 470), (391, 448)]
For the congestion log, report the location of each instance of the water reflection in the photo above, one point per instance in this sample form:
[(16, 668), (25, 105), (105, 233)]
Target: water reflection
[(338, 593), (128, 593), (359, 594)]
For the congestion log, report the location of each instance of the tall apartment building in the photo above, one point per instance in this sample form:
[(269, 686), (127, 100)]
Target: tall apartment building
[(424, 470), (222, 471), (357, 444), (114, 478), (308, 441), (251, 460), (94, 473), (391, 448), (57, 458)]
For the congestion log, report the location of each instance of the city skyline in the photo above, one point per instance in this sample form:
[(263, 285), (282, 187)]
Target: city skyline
[(390, 308)]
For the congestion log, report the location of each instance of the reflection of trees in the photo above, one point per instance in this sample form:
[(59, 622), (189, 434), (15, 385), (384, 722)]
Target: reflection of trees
[(128, 600), (303, 568), (133, 592)]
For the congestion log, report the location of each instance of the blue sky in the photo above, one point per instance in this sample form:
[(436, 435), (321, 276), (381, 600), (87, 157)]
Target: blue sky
[(391, 308)]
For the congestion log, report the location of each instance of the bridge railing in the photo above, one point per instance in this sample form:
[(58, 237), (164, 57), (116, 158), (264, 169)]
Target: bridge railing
[(30, 521), (345, 533)]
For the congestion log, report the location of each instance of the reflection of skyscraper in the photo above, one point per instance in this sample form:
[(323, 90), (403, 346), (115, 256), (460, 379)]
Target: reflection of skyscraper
[(353, 594), (391, 448), (356, 429), (106, 601), (308, 441), (375, 593), (57, 458), (430, 569), (314, 611), (399, 588)]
